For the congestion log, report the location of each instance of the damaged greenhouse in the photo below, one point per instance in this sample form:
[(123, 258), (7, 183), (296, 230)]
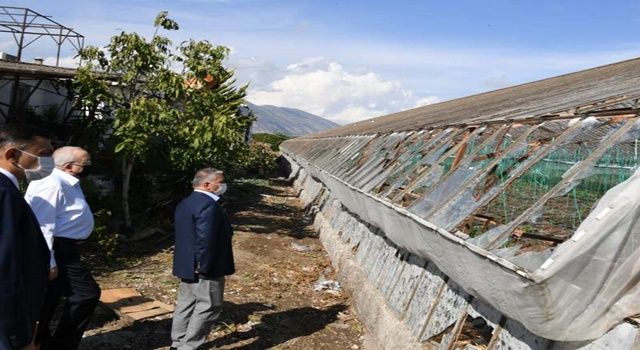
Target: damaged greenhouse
[(504, 220)]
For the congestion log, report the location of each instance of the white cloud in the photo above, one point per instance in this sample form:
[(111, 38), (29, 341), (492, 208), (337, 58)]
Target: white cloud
[(327, 89), (353, 113), (305, 64), (259, 72), (447, 70)]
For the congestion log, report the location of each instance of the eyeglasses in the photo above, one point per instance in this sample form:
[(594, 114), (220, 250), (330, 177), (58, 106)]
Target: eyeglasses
[(81, 164)]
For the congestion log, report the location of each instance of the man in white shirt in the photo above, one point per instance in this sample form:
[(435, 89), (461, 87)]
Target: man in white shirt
[(65, 219)]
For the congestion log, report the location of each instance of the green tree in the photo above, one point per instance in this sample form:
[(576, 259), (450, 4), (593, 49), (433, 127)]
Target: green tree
[(181, 100), (272, 139)]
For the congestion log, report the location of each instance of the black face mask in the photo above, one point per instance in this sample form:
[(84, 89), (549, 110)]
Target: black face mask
[(86, 171)]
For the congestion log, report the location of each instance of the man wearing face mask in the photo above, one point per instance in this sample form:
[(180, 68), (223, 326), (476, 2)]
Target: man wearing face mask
[(202, 257), (24, 258), (65, 219)]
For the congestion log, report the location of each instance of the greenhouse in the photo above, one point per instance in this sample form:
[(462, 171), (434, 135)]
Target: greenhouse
[(526, 197)]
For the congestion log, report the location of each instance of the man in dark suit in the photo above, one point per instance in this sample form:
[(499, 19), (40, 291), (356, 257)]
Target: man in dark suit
[(24, 256), (202, 257)]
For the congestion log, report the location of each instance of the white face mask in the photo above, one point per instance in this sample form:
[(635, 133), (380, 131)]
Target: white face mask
[(45, 167), (221, 190)]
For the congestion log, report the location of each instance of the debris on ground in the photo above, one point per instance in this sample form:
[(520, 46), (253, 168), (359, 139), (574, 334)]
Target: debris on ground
[(330, 286), (300, 248), (270, 301), (129, 304)]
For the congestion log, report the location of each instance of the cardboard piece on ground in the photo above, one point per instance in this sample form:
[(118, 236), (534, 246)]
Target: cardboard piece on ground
[(130, 304)]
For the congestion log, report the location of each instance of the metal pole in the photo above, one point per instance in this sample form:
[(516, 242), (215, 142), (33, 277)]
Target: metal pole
[(23, 29), (58, 53), (13, 104)]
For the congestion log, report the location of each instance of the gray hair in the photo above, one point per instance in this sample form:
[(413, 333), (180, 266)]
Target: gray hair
[(204, 175), (66, 154)]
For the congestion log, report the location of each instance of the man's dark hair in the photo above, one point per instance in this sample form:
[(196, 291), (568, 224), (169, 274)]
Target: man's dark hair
[(20, 135)]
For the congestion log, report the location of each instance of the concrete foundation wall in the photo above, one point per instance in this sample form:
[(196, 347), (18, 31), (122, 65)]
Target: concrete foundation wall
[(406, 302)]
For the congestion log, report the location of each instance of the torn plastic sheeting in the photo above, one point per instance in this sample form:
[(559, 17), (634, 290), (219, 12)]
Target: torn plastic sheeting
[(334, 164), (611, 140), (344, 164), (369, 170), (432, 173), (374, 159), (603, 264), (441, 137), (440, 147), (413, 146), (531, 260), (564, 302), (369, 154), (454, 203), (556, 193), (439, 191), (408, 233), (497, 241), (528, 260), (456, 206), (342, 148), (425, 180), (377, 179), (404, 152), (382, 152), (442, 187), (394, 175), (472, 204)]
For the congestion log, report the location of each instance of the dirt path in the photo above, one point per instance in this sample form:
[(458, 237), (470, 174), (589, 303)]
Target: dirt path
[(269, 303)]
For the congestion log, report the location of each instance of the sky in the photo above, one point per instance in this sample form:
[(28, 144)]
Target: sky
[(353, 60)]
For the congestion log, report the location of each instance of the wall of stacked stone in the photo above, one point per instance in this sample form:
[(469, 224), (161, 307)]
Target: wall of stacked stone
[(406, 302)]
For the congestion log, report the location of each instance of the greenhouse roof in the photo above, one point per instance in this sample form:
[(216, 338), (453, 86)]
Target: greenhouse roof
[(559, 95), (34, 70)]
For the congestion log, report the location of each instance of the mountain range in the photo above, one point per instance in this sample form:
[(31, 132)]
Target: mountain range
[(288, 121)]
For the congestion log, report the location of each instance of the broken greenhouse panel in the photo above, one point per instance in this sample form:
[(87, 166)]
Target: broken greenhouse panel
[(520, 177)]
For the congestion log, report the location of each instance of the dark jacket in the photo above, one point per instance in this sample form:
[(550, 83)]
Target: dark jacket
[(24, 268), (203, 239)]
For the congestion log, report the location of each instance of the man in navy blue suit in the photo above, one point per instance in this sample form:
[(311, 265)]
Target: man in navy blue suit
[(24, 256), (202, 257)]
